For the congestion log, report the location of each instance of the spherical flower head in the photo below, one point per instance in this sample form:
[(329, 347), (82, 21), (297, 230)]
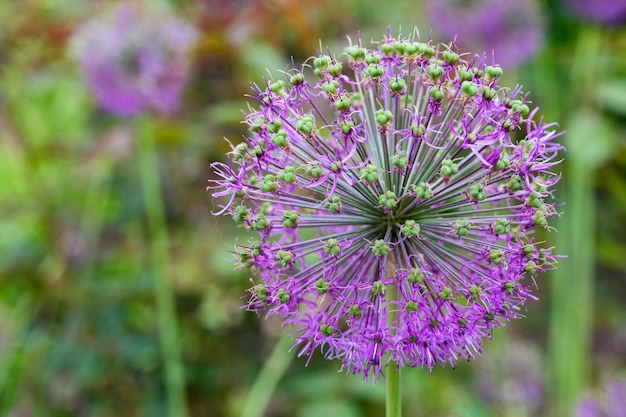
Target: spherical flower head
[(395, 196), (513, 377), (611, 403), (609, 12), (511, 30), (135, 59)]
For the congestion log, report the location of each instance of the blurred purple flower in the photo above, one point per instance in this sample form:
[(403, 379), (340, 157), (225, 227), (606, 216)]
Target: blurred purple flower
[(395, 203), (510, 30), (602, 11), (135, 59), (612, 403), (513, 377)]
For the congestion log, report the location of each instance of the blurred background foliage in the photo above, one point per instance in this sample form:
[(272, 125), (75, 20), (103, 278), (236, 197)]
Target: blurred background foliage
[(80, 314)]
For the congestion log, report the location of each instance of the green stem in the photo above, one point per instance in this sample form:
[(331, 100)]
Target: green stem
[(267, 380), (572, 282), (160, 257), (394, 393)]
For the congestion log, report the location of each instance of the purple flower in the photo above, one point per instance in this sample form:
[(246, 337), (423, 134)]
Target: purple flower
[(135, 59), (395, 198), (602, 11), (611, 404), (513, 377), (510, 30)]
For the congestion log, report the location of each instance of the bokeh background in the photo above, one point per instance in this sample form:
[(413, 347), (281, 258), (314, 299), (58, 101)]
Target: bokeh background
[(117, 296)]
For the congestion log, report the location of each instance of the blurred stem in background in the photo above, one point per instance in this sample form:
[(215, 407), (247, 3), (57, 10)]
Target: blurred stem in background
[(572, 282), (160, 258), (22, 315), (265, 384)]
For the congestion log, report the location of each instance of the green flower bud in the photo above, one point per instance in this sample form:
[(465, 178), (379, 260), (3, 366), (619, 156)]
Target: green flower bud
[(493, 72), (241, 214), (397, 85), (446, 293), (354, 311), (331, 247), (346, 126), (291, 218), (378, 288), (488, 92), (496, 256), (417, 130), (469, 88), (475, 292), (327, 330), (435, 71), (387, 199), (369, 174), (335, 69), (476, 192), (411, 306), (343, 103), (534, 201), (423, 191), (333, 204), (305, 124), (287, 175), (260, 223), (296, 79), (399, 160), (280, 139), (448, 168), (410, 228), (314, 170), (436, 93), (501, 226), (388, 48), (321, 61), (373, 58), (284, 258), (380, 248), (450, 57), (383, 117), (274, 126), (268, 184), (356, 53), (283, 296), (515, 183), (278, 87), (374, 71), (259, 292), (461, 227), (322, 286), (415, 276)]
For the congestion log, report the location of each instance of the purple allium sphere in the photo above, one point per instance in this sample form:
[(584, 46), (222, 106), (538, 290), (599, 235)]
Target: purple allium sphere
[(611, 404), (511, 30), (395, 199), (135, 59), (602, 11)]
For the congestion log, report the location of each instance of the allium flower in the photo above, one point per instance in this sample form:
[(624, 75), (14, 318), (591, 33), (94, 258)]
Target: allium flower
[(395, 199), (513, 377), (511, 30), (602, 11), (612, 404), (135, 59)]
